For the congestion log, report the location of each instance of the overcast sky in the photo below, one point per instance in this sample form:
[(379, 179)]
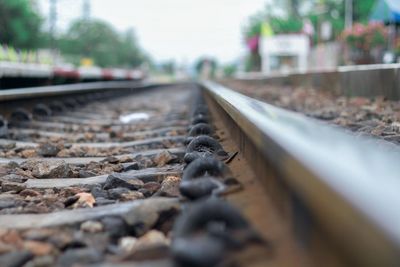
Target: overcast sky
[(182, 30)]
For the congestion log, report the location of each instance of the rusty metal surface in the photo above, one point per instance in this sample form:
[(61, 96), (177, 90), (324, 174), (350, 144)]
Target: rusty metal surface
[(350, 185)]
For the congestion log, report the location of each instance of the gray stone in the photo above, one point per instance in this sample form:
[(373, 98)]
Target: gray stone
[(6, 144), (15, 259), (7, 203), (3, 127), (115, 226), (48, 150), (110, 159), (51, 169), (101, 201), (115, 180), (14, 178), (117, 193), (42, 261), (131, 166), (11, 186), (86, 174), (97, 192), (79, 256), (147, 214), (12, 165)]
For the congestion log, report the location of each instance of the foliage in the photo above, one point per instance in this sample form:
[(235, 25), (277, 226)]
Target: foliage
[(365, 37), (253, 27), (362, 10), (286, 25), (20, 28), (287, 17), (229, 70), (129, 53), (168, 67), (206, 67), (279, 25), (96, 39), (20, 24), (319, 10), (397, 46)]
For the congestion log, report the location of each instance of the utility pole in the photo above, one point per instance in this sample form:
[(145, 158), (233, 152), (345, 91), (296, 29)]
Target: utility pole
[(86, 9), (52, 23), (349, 13)]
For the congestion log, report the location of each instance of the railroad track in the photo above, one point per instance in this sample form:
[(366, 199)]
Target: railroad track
[(124, 174)]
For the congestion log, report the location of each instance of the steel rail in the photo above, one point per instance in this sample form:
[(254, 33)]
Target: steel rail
[(57, 90), (349, 185)]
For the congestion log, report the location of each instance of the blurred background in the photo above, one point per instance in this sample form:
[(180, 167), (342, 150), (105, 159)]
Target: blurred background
[(180, 39)]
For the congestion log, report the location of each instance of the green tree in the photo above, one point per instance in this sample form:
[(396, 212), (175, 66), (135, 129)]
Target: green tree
[(229, 70), (168, 67), (206, 64), (290, 18), (334, 12), (129, 53), (20, 24), (98, 40), (94, 39), (362, 10)]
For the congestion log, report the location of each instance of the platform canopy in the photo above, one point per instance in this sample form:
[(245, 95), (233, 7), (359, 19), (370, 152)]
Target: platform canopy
[(387, 11)]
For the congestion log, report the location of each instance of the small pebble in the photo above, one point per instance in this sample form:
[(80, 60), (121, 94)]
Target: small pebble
[(92, 227), (127, 243)]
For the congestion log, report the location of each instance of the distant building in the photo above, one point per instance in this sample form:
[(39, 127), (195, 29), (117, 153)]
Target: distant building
[(284, 52)]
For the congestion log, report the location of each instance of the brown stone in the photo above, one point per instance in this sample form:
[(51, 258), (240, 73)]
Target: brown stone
[(151, 239), (10, 237), (29, 153), (131, 195), (38, 248), (29, 192), (163, 158), (125, 159), (5, 248), (11, 186), (64, 153), (84, 200), (170, 186), (39, 234), (152, 187)]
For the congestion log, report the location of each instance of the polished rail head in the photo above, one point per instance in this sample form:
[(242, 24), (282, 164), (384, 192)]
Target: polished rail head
[(349, 183), (56, 90)]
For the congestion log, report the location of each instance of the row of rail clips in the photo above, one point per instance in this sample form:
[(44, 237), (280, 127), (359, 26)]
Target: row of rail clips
[(21, 115), (208, 229)]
